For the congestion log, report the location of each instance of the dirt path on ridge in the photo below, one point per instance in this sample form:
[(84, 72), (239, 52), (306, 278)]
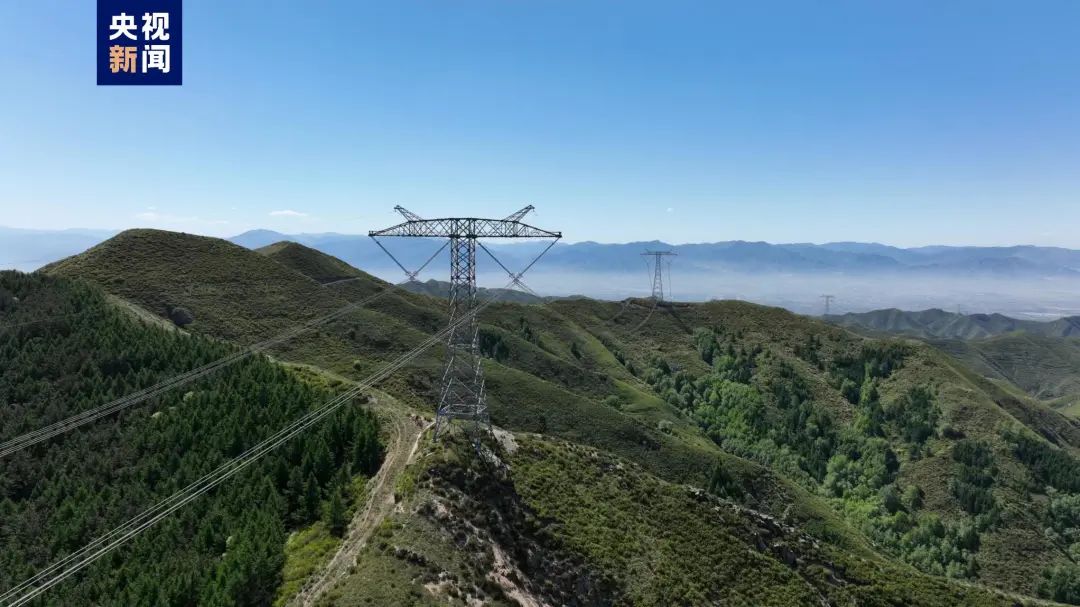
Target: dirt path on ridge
[(379, 503)]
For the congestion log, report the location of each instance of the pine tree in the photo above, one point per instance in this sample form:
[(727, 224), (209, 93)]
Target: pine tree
[(311, 499), (335, 513)]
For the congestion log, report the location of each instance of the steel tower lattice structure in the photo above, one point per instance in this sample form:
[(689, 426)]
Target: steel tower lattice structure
[(658, 272), (828, 302), (462, 393)]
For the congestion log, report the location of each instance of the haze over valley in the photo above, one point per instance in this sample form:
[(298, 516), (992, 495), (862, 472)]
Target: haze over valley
[(1039, 283)]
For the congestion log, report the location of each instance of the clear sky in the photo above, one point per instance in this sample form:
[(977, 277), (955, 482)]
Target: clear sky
[(906, 122)]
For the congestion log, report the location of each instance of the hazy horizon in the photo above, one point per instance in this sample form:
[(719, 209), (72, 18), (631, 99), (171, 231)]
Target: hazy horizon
[(226, 235), (855, 290)]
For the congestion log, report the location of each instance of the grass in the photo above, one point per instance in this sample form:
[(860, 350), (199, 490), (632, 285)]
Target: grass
[(577, 522), (232, 293), (661, 545), (320, 268), (572, 370), (1043, 367), (306, 551), (378, 580)]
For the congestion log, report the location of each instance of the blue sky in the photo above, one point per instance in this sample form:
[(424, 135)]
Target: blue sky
[(903, 122)]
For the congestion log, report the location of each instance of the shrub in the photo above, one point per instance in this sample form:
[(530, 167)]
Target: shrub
[(181, 317), (1060, 583), (975, 471)]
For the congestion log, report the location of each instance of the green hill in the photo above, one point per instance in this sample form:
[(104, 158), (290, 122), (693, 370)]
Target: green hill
[(539, 521), (322, 268), (1040, 359), (230, 292), (939, 324), (883, 451), (1047, 368), (441, 288), (72, 350)]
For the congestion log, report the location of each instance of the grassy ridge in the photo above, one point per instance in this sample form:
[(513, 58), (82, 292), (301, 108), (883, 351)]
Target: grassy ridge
[(322, 269), (556, 523), (853, 440), (1040, 358), (1043, 367)]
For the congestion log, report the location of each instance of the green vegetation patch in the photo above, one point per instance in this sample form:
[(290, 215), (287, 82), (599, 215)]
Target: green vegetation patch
[(665, 547), (306, 551), (225, 548)]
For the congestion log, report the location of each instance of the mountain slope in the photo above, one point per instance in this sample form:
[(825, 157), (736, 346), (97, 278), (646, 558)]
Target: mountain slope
[(1040, 359), (846, 397), (939, 324), (77, 350), (231, 293), (320, 268), (881, 448), (538, 522), (1046, 368)]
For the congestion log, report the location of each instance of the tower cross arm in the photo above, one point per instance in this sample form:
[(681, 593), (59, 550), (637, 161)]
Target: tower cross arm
[(462, 395), (519, 215), (465, 227), (407, 214)]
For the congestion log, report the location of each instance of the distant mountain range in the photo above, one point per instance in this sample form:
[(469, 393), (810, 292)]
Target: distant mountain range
[(28, 249), (735, 256), (1020, 281), (939, 324)]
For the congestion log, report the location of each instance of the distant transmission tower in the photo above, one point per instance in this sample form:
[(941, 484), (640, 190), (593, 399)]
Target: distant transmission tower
[(828, 302), (462, 393), (658, 272)]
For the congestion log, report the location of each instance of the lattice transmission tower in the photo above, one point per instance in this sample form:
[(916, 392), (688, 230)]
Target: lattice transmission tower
[(462, 392), (658, 272), (828, 302)]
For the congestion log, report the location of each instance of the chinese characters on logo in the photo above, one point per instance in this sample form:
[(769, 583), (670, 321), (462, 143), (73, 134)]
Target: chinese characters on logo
[(153, 56), (136, 49)]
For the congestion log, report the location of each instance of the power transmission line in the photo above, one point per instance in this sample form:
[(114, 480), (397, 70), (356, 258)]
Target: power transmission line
[(73, 563), (669, 288), (828, 302), (31, 438), (462, 394), (656, 304), (658, 272)]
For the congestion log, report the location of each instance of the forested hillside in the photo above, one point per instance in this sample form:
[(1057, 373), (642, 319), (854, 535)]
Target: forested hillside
[(1040, 359), (536, 521), (882, 451), (63, 349)]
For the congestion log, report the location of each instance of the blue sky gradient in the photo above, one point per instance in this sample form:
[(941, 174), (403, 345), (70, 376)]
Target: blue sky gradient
[(904, 122)]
